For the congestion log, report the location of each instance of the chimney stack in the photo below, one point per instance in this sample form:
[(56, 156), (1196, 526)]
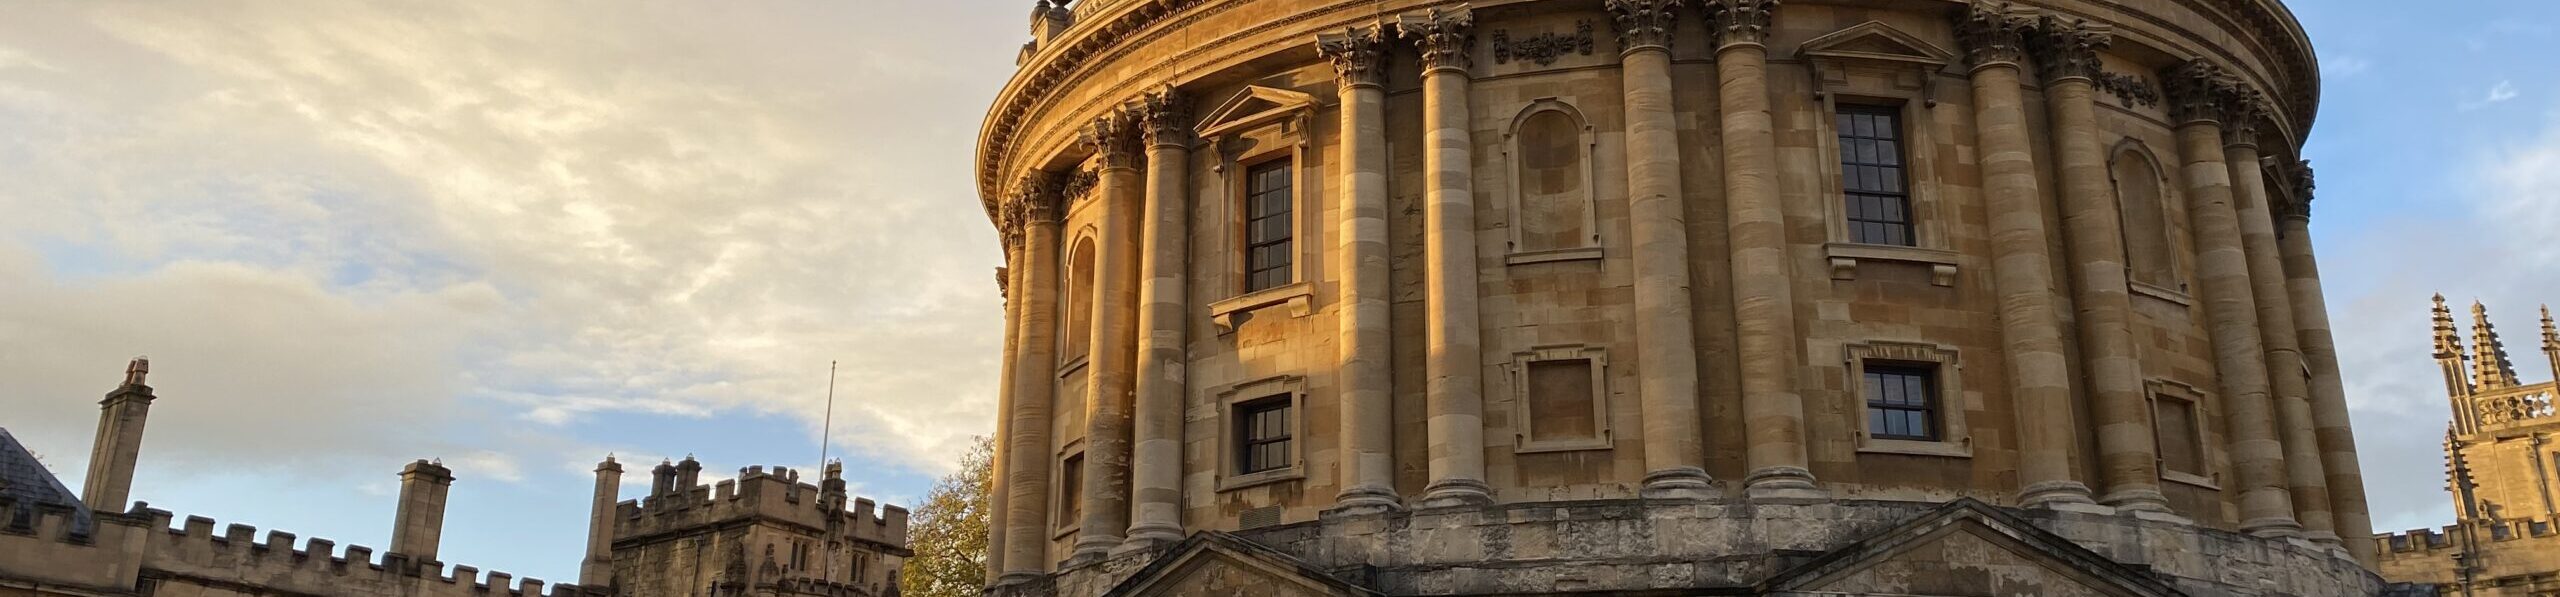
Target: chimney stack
[(419, 525), (597, 571), (118, 444), (662, 480), (688, 475)]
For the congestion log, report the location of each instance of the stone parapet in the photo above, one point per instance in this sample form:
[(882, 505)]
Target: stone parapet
[(113, 555), (758, 494)]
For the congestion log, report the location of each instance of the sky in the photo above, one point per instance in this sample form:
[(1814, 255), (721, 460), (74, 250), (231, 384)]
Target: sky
[(519, 236)]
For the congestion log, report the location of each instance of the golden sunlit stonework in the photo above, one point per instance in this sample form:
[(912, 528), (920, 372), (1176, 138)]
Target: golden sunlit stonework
[(1665, 297), (2500, 460)]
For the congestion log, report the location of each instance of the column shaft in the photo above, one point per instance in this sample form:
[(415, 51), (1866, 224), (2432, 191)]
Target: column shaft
[(2128, 455), (2257, 457), (1010, 279), (1763, 300), (2022, 275), (2305, 480), (1156, 517), (1455, 390), (1666, 342), (2328, 392), (1028, 448), (1111, 376), (1367, 422)]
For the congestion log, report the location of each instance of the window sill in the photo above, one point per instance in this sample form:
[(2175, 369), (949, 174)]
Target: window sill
[(1845, 257), (1906, 447), (1552, 256), (1562, 445), (1235, 482), (1300, 298), (2160, 292), (2189, 479), (1071, 367)]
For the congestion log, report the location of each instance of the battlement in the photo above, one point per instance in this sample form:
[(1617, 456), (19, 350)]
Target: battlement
[(775, 495), (192, 551), (2448, 538)]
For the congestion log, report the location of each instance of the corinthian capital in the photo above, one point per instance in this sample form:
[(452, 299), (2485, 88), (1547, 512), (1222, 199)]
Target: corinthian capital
[(1166, 114), (1644, 23), (2068, 48), (1035, 199), (1994, 33), (1114, 138), (1004, 282), (2298, 203), (2243, 109), (2198, 91), (1737, 22), (1358, 54), (1444, 36)]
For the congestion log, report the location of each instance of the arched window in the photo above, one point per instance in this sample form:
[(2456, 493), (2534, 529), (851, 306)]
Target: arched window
[(2146, 219), (1079, 301), (1551, 204)]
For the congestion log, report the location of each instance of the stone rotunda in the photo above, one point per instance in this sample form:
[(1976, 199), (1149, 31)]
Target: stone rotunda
[(1665, 297)]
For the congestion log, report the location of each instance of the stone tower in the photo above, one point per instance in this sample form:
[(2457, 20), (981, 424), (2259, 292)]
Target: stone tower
[(2502, 471), (1383, 296)]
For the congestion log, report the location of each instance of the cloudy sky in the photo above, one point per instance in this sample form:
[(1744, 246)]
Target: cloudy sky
[(520, 235)]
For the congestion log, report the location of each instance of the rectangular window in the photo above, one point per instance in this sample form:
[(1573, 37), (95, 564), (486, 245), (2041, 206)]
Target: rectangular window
[(1560, 400), (1262, 435), (2180, 448), (1871, 173), (1269, 198), (1902, 402), (1071, 491)]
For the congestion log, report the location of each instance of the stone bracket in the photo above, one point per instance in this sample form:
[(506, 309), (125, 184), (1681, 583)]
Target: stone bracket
[(1300, 298)]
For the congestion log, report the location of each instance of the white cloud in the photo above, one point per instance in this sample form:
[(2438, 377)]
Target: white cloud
[(2499, 93)]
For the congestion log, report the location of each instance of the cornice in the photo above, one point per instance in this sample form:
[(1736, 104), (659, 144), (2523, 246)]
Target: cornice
[(2263, 27)]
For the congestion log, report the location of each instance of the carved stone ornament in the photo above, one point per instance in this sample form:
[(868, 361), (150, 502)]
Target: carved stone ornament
[(1036, 198), (2068, 47), (1739, 21), (1543, 48), (1994, 33), (1004, 283), (1166, 113), (1357, 53), (1644, 23), (1114, 138), (1078, 186), (1442, 35), (2244, 110), (2197, 91), (2306, 185), (2130, 90)]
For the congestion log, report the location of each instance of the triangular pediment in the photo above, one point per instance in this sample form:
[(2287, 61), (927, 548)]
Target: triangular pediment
[(1253, 106), (1214, 563), (1968, 549), (1874, 40)]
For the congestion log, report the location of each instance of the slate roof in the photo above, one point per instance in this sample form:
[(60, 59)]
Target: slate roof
[(28, 482)]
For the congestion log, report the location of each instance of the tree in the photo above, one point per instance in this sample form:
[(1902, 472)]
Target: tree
[(949, 531)]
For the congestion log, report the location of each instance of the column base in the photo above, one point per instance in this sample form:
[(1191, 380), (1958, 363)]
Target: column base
[(1783, 485), (2273, 528), (1092, 548), (1143, 538), (2057, 495), (2137, 500), (2324, 538), (1017, 577), (1679, 483), (1456, 492), (1364, 501)]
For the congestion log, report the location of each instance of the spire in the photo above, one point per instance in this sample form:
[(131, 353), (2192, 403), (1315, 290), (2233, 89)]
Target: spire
[(2494, 369), (2449, 353)]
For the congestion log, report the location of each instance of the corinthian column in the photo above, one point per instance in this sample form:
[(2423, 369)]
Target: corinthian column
[(1666, 344), (2199, 95), (1455, 390), (2320, 353), (1763, 302), (1114, 138), (1156, 515), (1026, 435), (1367, 421), (2286, 371), (2021, 267), (1009, 277), (2128, 457)]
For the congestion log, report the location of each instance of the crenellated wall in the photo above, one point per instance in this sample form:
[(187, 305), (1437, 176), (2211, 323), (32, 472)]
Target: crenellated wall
[(2515, 554), (758, 494), (193, 559)]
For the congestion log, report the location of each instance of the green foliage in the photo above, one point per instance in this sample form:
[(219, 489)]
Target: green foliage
[(949, 531)]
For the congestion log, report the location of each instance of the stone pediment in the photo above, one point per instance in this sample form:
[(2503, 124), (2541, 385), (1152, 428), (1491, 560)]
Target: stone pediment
[(1212, 563), (1967, 549), (1255, 105), (1874, 40)]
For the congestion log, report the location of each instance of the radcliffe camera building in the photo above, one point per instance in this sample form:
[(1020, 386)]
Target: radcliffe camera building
[(1666, 297), (765, 533)]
